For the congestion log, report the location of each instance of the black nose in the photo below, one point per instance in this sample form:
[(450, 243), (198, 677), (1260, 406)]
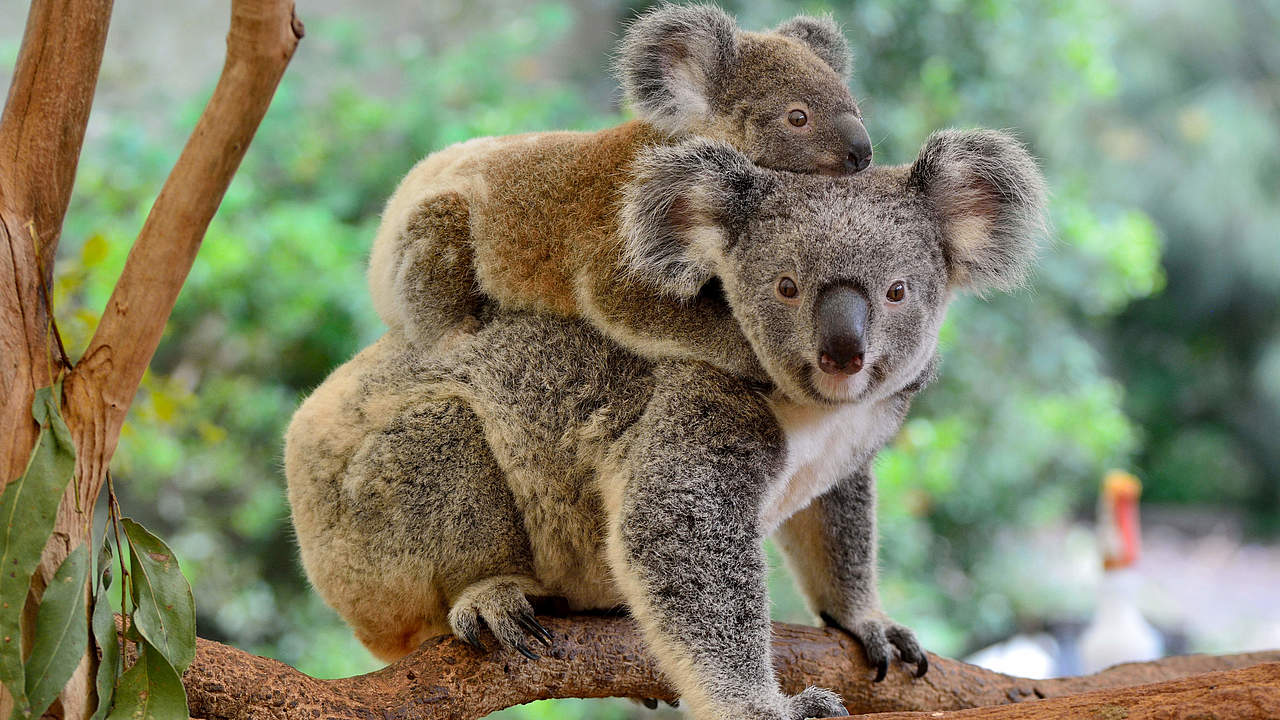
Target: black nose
[(841, 319), (857, 142)]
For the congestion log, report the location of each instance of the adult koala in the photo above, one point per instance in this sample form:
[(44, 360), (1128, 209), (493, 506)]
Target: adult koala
[(538, 458), (530, 221)]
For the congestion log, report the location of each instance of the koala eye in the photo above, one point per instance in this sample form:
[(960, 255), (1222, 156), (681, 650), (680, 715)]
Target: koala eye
[(787, 288), (897, 292), (797, 118)]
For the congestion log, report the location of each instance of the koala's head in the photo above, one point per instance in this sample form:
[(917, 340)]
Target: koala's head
[(780, 97), (839, 284)]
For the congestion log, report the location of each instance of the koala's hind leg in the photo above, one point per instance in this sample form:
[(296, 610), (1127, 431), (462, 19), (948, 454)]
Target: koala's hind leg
[(432, 524), (502, 603), (431, 274)]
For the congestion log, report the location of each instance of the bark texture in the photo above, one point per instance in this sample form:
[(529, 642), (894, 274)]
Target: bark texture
[(1248, 694), (605, 657)]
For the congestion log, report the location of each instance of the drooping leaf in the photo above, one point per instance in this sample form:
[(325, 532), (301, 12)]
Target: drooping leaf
[(166, 612), (104, 634), (27, 510), (150, 690), (62, 631)]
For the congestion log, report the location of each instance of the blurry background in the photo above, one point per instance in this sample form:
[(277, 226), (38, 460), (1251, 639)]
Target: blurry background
[(1149, 340)]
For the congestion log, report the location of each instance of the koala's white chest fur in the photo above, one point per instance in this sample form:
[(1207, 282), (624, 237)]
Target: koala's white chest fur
[(824, 445)]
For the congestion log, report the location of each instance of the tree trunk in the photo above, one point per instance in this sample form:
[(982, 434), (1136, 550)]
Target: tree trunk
[(41, 133)]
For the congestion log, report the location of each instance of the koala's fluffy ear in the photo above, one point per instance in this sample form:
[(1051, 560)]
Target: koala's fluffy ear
[(685, 205), (671, 60), (824, 37), (990, 196)]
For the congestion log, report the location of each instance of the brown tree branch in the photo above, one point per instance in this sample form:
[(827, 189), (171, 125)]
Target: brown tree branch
[(41, 133), (1244, 694), (44, 119), (604, 657), (263, 36)]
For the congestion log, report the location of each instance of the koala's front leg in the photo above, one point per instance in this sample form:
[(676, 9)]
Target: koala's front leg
[(686, 547), (832, 548)]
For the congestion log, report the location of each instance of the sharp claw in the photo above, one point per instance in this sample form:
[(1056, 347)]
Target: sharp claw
[(651, 703), (882, 670), (535, 628), (525, 651), (674, 703), (922, 667), (474, 641)]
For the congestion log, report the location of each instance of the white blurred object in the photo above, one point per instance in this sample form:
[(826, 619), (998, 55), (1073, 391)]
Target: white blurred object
[(1029, 656), (1118, 633)]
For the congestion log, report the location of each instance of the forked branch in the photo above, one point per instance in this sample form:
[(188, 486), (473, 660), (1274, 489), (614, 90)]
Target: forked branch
[(263, 36)]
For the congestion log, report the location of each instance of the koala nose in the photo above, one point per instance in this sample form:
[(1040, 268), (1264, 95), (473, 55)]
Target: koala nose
[(841, 319), (857, 142)]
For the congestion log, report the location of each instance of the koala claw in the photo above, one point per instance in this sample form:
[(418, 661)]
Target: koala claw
[(879, 637), (534, 628), (523, 648), (651, 703), (922, 667), (816, 702), (501, 605), (471, 638)]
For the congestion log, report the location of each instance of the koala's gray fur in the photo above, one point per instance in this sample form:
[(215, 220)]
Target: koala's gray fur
[(530, 221), (825, 37), (538, 458)]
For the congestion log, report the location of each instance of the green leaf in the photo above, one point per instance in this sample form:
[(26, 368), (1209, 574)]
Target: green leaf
[(27, 510), (62, 631), (104, 634), (150, 690), (166, 611)]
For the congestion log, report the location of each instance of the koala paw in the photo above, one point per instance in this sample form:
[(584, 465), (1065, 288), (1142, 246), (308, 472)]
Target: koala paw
[(502, 605), (879, 636), (815, 702)]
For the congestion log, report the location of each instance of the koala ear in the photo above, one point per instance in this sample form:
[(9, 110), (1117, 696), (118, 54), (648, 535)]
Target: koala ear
[(670, 61), (990, 196), (824, 37), (685, 206)]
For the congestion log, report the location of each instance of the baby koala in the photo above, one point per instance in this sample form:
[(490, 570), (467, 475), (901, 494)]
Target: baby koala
[(530, 221), (438, 492)]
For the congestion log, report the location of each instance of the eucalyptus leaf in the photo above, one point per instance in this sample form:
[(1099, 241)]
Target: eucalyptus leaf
[(150, 690), (27, 510), (165, 612), (62, 632), (104, 634)]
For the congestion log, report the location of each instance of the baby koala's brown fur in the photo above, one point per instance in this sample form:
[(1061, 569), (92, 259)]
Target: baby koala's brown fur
[(529, 221)]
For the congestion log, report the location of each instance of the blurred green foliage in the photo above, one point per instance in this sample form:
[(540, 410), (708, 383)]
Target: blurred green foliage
[(1150, 337)]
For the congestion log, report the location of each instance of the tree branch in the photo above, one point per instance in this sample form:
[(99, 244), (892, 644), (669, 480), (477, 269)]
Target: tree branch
[(45, 117), (605, 657), (41, 133), (1244, 694), (263, 36)]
